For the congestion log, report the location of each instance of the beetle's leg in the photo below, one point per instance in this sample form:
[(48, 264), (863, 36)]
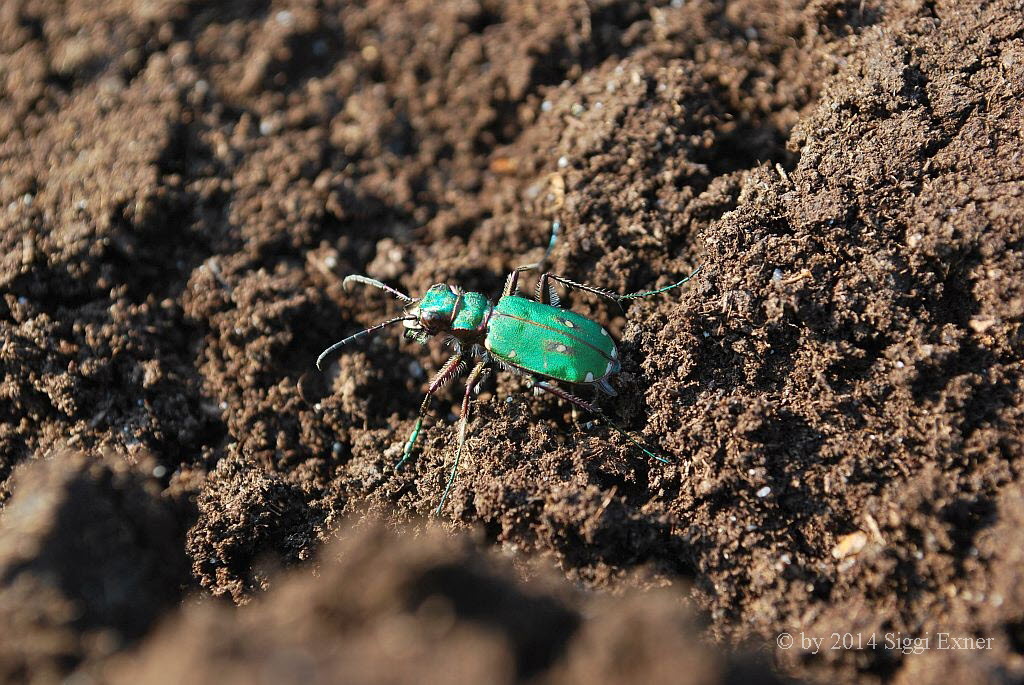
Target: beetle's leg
[(593, 409), (542, 285), (513, 278), (647, 293), (512, 281), (452, 368), (544, 293), (474, 378)]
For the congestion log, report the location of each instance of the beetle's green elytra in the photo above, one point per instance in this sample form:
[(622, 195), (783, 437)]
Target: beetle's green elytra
[(557, 343), (535, 338)]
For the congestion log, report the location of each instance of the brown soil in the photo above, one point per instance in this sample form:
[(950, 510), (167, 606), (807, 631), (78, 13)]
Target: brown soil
[(184, 185)]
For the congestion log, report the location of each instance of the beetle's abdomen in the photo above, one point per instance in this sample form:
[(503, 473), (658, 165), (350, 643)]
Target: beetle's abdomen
[(549, 341)]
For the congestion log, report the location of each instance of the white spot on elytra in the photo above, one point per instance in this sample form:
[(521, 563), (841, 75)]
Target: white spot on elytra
[(611, 365), (561, 348), (615, 353), (511, 353), (568, 323), (590, 377), (604, 332)]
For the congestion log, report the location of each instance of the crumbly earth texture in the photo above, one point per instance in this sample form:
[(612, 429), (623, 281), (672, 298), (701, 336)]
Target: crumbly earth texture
[(184, 185)]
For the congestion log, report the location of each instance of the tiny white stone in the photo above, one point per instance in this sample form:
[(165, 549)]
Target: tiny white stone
[(764, 492), (563, 162), (777, 275)]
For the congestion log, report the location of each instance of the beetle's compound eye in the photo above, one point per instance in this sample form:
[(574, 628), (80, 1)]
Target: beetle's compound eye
[(433, 319)]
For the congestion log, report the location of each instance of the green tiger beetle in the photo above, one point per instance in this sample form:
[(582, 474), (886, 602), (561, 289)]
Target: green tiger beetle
[(535, 338)]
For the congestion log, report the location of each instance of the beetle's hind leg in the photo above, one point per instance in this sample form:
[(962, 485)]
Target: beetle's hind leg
[(596, 411), (452, 368), (471, 381), (544, 287)]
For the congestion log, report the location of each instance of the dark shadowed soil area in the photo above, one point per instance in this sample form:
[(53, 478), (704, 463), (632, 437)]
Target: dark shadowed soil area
[(184, 185)]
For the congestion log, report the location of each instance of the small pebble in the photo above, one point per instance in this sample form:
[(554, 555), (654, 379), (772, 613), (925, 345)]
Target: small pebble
[(159, 471), (849, 545), (546, 106), (777, 275), (563, 162), (764, 492)]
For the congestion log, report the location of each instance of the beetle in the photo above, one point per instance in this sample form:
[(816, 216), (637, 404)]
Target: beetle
[(536, 338)]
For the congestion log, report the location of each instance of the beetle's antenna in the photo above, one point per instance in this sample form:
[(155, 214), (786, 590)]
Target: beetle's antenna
[(366, 280), (371, 329), (648, 293)]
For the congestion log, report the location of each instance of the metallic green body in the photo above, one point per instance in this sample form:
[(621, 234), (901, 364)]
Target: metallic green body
[(552, 342), (440, 300), (472, 312)]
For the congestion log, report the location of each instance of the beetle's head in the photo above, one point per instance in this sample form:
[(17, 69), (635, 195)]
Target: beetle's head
[(434, 312)]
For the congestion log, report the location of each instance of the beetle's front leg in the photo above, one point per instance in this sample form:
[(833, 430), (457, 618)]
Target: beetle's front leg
[(474, 377), (452, 368)]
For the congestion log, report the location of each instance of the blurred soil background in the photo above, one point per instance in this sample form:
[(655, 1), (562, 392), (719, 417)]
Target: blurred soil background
[(183, 186)]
